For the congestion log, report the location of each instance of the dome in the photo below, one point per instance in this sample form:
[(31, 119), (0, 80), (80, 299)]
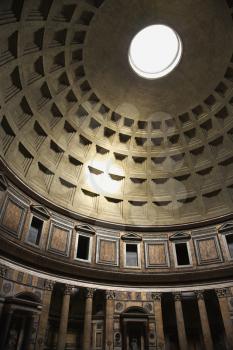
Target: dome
[(87, 134)]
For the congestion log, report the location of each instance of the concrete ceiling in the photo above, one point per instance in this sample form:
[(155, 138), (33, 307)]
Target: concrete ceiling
[(80, 128)]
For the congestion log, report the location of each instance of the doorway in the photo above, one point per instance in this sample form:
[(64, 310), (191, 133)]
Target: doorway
[(135, 329), (135, 336), (19, 333), (17, 321)]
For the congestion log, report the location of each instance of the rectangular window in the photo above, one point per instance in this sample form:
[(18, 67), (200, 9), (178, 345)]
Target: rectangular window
[(182, 254), (131, 255), (229, 239), (83, 247), (35, 231)]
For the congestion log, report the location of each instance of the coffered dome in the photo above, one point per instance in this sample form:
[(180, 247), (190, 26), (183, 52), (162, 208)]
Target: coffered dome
[(82, 130)]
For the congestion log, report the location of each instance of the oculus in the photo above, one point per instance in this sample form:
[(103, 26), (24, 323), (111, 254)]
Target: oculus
[(155, 51)]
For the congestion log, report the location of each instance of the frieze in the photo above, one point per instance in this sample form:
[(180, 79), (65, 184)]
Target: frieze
[(138, 296), (119, 307), (148, 307), (7, 288), (38, 294), (20, 277)]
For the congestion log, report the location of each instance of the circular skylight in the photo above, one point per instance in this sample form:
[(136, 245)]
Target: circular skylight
[(155, 51)]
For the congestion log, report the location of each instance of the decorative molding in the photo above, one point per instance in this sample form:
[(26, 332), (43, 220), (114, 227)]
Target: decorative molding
[(180, 236), (110, 295), (88, 235), (119, 307), (89, 293), (7, 287), (226, 227), (148, 244), (211, 256), (177, 296), (68, 289), (48, 285), (85, 228), (199, 295), (156, 296), (41, 211), (121, 288), (12, 199), (67, 233), (221, 292), (148, 307), (101, 240), (131, 237)]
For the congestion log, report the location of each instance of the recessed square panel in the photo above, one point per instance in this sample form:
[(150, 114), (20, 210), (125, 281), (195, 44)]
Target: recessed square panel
[(13, 216), (107, 251), (157, 254), (59, 239), (208, 250)]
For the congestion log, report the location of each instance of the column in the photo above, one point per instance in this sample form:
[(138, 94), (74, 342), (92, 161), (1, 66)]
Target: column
[(89, 293), (63, 326), (180, 322), (43, 321), (5, 328), (204, 321), (158, 320), (223, 303), (109, 313)]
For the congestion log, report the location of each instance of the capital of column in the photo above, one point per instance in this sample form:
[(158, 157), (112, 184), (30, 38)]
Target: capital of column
[(3, 271), (177, 296), (199, 295), (221, 292), (89, 293), (110, 294), (68, 289), (48, 285), (156, 296)]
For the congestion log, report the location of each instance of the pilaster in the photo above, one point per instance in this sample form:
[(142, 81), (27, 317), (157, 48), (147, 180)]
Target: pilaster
[(109, 313), (157, 298)]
